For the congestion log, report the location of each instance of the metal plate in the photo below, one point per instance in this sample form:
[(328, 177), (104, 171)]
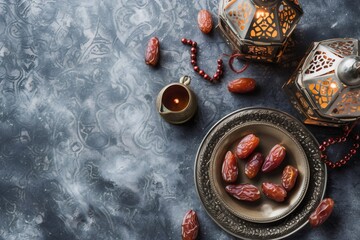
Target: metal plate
[(215, 206), (263, 210)]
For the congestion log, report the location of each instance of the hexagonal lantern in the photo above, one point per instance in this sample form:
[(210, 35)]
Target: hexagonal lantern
[(325, 88), (259, 29)]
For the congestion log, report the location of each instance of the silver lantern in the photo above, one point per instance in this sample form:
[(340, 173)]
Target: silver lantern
[(325, 88), (258, 29)]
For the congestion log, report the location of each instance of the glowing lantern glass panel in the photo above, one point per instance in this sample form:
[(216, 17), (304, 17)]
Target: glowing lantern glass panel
[(326, 85), (259, 29)]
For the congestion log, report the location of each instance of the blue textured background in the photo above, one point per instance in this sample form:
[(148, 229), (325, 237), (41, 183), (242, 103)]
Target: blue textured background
[(83, 152)]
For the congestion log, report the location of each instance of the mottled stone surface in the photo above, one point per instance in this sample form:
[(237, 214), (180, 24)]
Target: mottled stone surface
[(83, 151)]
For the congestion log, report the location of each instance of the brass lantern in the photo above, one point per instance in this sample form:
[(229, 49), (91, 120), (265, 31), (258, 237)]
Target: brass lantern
[(258, 29), (325, 88)]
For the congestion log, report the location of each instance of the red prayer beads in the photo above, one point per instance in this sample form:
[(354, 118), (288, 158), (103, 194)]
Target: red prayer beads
[(332, 141), (193, 57)]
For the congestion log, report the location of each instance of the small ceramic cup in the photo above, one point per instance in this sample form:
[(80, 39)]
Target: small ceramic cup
[(176, 103)]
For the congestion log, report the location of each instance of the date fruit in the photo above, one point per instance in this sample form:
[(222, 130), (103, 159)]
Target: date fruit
[(229, 168), (245, 192), (322, 212), (247, 145), (190, 226), (242, 85), (152, 52), (274, 191), (253, 166), (289, 176), (274, 158), (205, 22)]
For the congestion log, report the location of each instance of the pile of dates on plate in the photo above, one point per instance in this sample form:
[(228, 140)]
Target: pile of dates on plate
[(256, 162)]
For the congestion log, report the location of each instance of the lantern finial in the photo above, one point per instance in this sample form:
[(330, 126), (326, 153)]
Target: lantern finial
[(348, 71)]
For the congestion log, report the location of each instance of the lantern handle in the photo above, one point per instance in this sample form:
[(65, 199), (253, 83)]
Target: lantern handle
[(234, 56), (348, 129)]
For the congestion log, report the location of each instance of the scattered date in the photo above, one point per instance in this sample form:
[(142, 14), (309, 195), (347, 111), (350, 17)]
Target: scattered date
[(288, 178), (242, 85), (247, 145), (190, 226), (205, 22), (322, 212), (274, 158), (245, 192), (152, 52), (253, 166), (229, 168), (274, 191)]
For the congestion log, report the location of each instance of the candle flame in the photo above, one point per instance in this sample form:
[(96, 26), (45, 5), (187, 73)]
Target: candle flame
[(260, 13), (176, 101), (333, 85)]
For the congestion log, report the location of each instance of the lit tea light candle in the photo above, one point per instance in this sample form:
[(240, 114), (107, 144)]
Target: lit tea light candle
[(176, 103), (175, 98)]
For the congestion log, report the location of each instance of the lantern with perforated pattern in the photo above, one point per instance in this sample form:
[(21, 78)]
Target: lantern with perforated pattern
[(258, 29), (326, 85)]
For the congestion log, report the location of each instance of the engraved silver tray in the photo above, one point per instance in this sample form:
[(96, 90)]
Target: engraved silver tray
[(218, 209)]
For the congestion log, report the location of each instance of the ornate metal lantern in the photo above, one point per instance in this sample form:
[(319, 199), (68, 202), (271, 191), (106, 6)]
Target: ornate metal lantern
[(326, 85), (259, 29)]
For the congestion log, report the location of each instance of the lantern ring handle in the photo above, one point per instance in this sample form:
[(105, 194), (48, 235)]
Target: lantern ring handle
[(231, 61)]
